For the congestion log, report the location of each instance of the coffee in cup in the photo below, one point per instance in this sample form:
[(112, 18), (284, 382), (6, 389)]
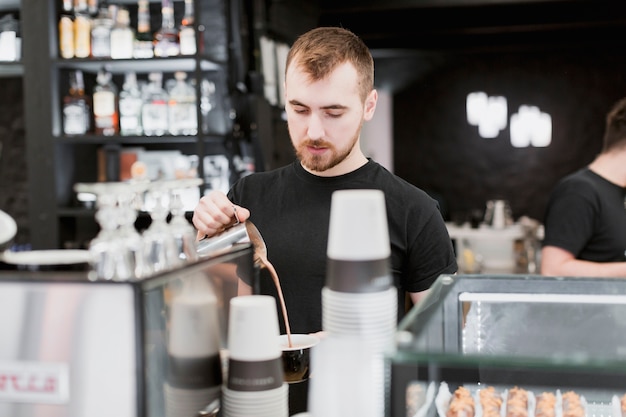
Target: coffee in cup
[(296, 358)]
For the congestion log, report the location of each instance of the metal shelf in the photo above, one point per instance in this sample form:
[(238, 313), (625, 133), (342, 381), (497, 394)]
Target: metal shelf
[(11, 69), (91, 139), (10, 5), (120, 66)]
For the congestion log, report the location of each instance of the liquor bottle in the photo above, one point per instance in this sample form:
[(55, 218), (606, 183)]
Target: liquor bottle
[(105, 111), (92, 7), (68, 6), (130, 103), (182, 110), (122, 36), (101, 33), (82, 35), (154, 110), (166, 41), (143, 47), (187, 34), (81, 6), (66, 36), (76, 107)]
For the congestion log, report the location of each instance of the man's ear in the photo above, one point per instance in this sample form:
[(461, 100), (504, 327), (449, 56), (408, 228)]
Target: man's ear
[(370, 105)]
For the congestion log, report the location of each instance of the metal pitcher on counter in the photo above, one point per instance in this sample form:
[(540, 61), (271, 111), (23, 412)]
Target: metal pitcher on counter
[(235, 234)]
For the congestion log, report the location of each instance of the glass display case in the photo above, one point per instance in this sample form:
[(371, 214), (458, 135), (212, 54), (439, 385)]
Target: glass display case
[(555, 335)]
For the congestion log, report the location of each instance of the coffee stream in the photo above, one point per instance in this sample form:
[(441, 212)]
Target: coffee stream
[(274, 275), (260, 252)]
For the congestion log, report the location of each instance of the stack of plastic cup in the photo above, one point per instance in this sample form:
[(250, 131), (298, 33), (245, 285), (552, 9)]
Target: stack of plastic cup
[(194, 376), (359, 299), (255, 386)]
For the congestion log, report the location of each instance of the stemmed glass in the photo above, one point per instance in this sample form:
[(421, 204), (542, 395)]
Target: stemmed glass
[(129, 203), (111, 259), (182, 231), (159, 245), (119, 251)]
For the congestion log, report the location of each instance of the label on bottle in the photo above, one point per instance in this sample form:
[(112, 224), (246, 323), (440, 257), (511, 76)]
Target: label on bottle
[(122, 41), (183, 120), (187, 41), (104, 103), (167, 47), (130, 116), (74, 119), (66, 37), (143, 49), (82, 36), (101, 42), (154, 118), (105, 115)]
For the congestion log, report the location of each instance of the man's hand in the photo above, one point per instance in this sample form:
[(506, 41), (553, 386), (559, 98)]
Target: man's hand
[(215, 212)]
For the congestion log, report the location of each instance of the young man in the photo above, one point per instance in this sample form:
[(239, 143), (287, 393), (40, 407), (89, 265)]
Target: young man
[(329, 93), (585, 223)]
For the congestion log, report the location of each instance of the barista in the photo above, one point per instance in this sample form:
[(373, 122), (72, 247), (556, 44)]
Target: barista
[(329, 94), (585, 222)]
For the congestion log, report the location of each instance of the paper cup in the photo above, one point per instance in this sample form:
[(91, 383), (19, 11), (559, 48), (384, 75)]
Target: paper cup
[(194, 342), (358, 228), (194, 325), (270, 403), (253, 328), (254, 362), (358, 242)]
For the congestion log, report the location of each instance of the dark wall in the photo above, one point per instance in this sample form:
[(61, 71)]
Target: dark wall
[(13, 172), (436, 149)]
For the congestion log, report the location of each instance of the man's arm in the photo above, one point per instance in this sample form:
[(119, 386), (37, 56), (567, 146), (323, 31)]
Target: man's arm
[(418, 296), (559, 262), (243, 288)]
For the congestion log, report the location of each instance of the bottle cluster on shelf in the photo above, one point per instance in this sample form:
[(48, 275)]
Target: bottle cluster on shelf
[(89, 29), (140, 108), (10, 38)]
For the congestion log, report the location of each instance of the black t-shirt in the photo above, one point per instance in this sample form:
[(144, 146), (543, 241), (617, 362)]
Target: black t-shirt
[(586, 217), (291, 209)]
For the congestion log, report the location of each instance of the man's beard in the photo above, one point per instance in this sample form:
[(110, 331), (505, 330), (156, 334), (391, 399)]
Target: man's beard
[(331, 158)]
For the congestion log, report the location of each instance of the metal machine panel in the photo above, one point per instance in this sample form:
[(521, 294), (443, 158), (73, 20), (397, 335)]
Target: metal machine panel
[(72, 347), (67, 349)]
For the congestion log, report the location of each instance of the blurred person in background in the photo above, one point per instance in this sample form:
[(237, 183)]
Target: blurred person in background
[(585, 221)]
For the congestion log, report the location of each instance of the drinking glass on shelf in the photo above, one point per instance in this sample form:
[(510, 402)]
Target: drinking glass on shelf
[(182, 231), (129, 204), (159, 245), (119, 251), (111, 258)]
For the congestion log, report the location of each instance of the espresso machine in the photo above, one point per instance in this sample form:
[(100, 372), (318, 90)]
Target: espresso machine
[(71, 346)]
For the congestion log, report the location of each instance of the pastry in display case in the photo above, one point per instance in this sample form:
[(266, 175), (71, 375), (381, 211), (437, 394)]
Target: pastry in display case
[(512, 345)]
